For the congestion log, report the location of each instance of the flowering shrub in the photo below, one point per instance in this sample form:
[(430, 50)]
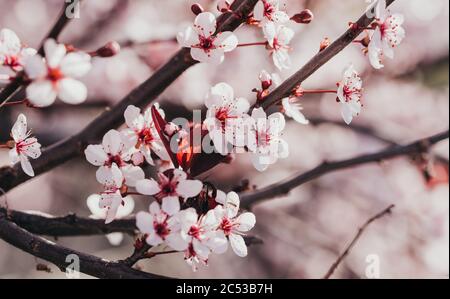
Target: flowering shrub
[(187, 214)]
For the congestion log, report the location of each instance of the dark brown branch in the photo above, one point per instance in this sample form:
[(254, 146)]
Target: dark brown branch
[(285, 89), (50, 252), (282, 188), (54, 33), (140, 97), (361, 231)]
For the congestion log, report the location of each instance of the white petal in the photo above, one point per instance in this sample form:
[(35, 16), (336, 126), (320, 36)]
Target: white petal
[(26, 165), (171, 205), (9, 41), (31, 148), (218, 243), (232, 204), (224, 91), (112, 142), (76, 64), (96, 155), (115, 239), (41, 93), (201, 250), (148, 187), (132, 175), (176, 242), (205, 24), (54, 53), (258, 12), (35, 67), (154, 240), (19, 130), (126, 208), (93, 203), (189, 188), (242, 105), (132, 117), (283, 149), (246, 222), (238, 244), (112, 211), (144, 222), (188, 38), (227, 41), (221, 197), (13, 156), (72, 91), (347, 113), (259, 162)]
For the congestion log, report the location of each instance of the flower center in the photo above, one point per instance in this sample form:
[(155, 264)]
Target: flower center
[(114, 159), (227, 226), (269, 10), (146, 136), (168, 189), (194, 232), (222, 115), (263, 138), (54, 74), (206, 43), (12, 61), (161, 229)]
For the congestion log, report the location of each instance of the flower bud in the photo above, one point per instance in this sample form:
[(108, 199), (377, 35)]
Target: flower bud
[(109, 50), (305, 17), (197, 9), (325, 43)]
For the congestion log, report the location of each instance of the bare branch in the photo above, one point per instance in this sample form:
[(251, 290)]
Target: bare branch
[(44, 249), (143, 95), (282, 188), (347, 250)]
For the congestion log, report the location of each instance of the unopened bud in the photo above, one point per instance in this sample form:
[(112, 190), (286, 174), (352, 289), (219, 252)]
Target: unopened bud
[(223, 6), (197, 9), (266, 80), (109, 50), (305, 17), (325, 43)]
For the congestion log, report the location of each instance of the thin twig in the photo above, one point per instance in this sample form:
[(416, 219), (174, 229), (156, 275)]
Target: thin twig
[(284, 187), (347, 250)]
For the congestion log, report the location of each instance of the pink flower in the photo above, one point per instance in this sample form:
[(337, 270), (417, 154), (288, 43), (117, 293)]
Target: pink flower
[(142, 133), (172, 186), (279, 38), (115, 149), (268, 11), (350, 94), (56, 76), (160, 228), (265, 140), (205, 45), (12, 53), (24, 146), (225, 114), (387, 36), (231, 226)]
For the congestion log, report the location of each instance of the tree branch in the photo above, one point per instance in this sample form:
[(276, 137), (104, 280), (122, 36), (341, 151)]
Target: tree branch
[(282, 188), (146, 93), (44, 249), (285, 89), (347, 250)]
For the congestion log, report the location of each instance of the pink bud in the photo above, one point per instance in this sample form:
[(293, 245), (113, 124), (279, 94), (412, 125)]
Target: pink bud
[(325, 43), (197, 9), (223, 6), (109, 50), (305, 17)]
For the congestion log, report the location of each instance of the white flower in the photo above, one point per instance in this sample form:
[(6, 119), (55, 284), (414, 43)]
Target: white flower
[(111, 198), (225, 114), (231, 226), (294, 111), (268, 11), (387, 36), (200, 236), (124, 210), (24, 146), (205, 46), (160, 228), (142, 133), (56, 76), (12, 53), (115, 149), (349, 94), (170, 188), (375, 8), (279, 38), (265, 141)]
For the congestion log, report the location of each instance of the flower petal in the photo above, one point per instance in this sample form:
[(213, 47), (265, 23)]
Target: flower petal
[(189, 188), (76, 64), (246, 222), (238, 244), (96, 155), (41, 93), (205, 24), (19, 130), (72, 91), (171, 205), (148, 187), (54, 53)]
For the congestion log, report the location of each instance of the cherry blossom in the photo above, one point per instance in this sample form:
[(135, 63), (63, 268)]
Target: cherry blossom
[(350, 94), (268, 84), (205, 45), (294, 110), (160, 228), (171, 186), (142, 132), (25, 147), (12, 53), (278, 38), (268, 11), (199, 236), (225, 114), (115, 149), (231, 226), (55, 76), (264, 139), (111, 198), (387, 36), (125, 209)]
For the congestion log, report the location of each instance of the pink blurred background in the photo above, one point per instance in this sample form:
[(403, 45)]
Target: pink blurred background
[(303, 232)]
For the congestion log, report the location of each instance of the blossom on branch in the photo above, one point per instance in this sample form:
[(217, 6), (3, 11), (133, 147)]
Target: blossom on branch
[(349, 94), (13, 53), (293, 110), (24, 146), (268, 11), (56, 75), (279, 38), (206, 45)]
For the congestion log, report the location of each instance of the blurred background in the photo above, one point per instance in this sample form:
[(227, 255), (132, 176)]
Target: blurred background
[(304, 232)]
